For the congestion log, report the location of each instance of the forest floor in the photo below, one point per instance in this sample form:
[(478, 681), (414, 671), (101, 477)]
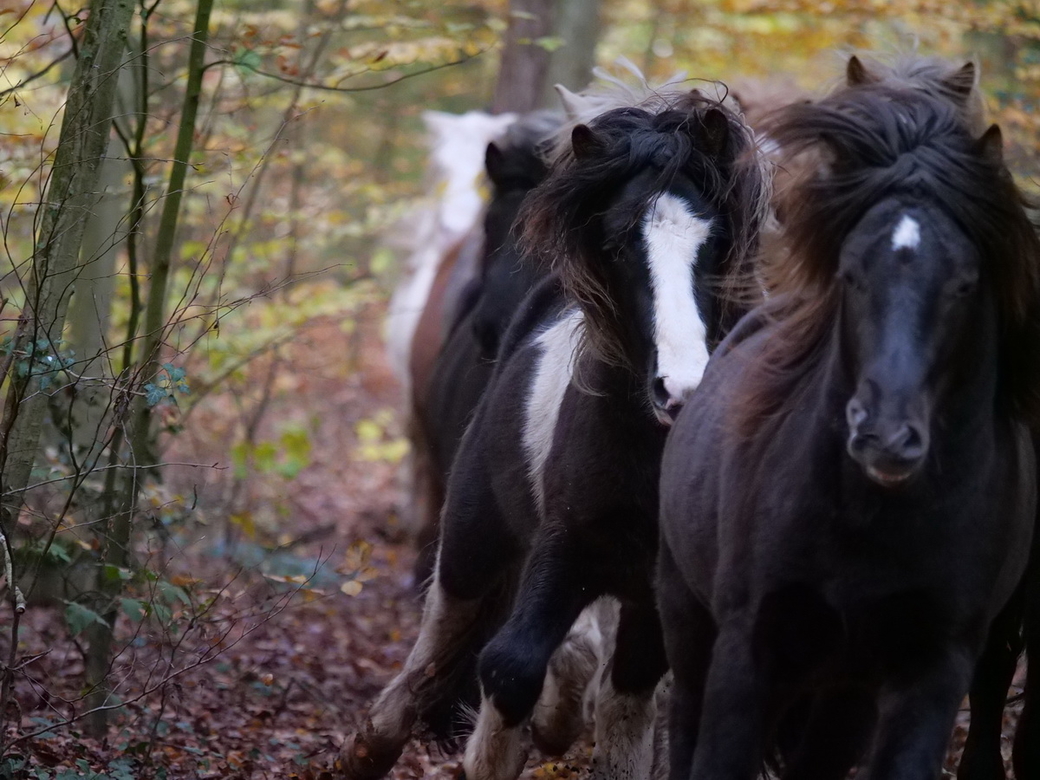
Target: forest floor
[(271, 677)]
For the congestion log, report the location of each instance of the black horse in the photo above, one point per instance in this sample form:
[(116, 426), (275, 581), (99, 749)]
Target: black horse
[(848, 500), (515, 164), (646, 216), (1019, 623), (982, 757)]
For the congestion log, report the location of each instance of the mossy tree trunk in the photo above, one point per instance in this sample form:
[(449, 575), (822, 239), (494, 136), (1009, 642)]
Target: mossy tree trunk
[(139, 434), (72, 192)]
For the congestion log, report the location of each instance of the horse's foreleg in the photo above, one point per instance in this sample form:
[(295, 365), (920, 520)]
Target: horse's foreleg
[(553, 592), (494, 750), (732, 724), (916, 720), (689, 633), (982, 759), (475, 556), (834, 737), (626, 708)]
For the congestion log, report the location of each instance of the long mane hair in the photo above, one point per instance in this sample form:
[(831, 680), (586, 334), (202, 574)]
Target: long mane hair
[(877, 140), (666, 133)]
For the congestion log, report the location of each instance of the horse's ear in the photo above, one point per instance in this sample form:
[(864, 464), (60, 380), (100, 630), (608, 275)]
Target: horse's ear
[(573, 104), (856, 73), (585, 142), (990, 146), (961, 82), (715, 128), (494, 162)]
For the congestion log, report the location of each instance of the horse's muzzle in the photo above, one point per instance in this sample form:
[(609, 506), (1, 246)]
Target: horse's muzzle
[(890, 451)]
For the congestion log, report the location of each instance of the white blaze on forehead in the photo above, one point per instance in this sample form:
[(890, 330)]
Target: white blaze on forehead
[(907, 234), (674, 236), (553, 372)]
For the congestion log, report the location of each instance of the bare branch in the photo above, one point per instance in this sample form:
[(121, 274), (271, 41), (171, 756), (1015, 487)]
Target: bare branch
[(336, 87)]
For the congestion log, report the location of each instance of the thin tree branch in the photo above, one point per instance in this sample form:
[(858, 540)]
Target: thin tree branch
[(336, 88), (39, 74)]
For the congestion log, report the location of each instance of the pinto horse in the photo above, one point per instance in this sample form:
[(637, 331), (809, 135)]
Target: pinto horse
[(645, 216), (515, 164), (848, 499)]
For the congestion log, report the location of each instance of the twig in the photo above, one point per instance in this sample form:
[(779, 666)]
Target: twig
[(215, 650), (336, 88), (39, 74)]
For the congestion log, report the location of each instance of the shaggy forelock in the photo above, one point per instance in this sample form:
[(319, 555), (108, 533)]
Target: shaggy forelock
[(562, 217)]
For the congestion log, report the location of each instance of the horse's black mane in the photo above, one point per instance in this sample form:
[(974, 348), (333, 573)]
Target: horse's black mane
[(874, 142), (665, 135)]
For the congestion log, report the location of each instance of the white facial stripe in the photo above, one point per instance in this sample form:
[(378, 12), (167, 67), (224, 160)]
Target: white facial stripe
[(907, 234), (673, 238), (551, 378)]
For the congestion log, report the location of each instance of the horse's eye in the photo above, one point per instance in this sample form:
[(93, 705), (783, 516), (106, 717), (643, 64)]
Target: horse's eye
[(965, 287), (852, 279)]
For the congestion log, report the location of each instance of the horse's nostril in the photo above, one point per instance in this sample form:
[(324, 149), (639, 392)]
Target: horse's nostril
[(860, 441), (660, 393), (909, 441), (855, 413)]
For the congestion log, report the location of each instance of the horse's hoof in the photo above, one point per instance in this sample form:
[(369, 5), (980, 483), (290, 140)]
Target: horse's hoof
[(367, 758)]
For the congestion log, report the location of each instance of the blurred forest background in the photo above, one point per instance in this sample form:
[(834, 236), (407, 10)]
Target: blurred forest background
[(205, 569)]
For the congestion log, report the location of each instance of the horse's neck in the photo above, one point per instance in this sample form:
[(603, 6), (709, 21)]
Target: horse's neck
[(621, 390), (508, 279)]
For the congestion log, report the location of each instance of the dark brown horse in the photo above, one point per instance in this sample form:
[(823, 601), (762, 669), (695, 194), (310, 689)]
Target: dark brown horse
[(847, 501)]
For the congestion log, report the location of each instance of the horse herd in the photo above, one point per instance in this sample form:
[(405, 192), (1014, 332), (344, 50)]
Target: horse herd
[(824, 530)]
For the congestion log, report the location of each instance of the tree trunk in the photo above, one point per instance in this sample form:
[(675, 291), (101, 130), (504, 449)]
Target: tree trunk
[(525, 62), (90, 312), (139, 435), (548, 42), (577, 24), (71, 193)]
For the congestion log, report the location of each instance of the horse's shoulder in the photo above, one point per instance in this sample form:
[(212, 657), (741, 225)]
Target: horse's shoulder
[(544, 302)]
